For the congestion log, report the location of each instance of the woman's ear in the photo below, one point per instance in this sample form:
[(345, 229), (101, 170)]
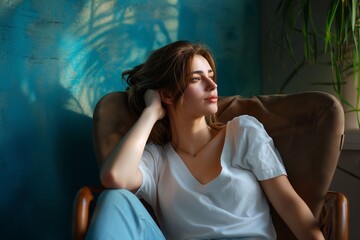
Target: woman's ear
[(166, 97)]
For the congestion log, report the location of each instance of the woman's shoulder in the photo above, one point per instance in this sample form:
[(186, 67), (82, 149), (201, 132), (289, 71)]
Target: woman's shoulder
[(246, 126), (150, 146), (245, 121), (157, 151)]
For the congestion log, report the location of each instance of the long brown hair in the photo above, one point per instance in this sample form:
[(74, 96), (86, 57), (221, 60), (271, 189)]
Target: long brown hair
[(167, 68)]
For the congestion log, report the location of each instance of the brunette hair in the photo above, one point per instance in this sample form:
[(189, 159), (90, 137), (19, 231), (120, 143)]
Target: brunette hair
[(167, 68)]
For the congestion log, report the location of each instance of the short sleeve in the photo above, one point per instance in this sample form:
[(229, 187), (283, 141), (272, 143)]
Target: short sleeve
[(255, 149), (150, 167)]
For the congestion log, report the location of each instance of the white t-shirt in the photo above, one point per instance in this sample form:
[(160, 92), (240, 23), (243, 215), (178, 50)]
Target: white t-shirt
[(231, 205)]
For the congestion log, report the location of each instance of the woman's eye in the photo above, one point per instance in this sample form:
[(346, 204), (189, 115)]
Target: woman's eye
[(196, 79)]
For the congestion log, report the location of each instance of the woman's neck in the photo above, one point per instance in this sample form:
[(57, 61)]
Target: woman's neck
[(190, 137)]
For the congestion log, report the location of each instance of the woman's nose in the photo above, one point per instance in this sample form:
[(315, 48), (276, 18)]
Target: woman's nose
[(211, 84)]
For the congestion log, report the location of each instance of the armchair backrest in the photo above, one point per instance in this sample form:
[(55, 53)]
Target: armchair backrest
[(307, 129)]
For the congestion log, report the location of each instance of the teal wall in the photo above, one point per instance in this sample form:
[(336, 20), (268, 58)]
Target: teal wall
[(57, 58)]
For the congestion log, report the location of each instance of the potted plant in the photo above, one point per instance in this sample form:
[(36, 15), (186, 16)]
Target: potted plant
[(336, 40)]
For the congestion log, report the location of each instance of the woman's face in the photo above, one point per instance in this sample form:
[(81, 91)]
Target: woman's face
[(200, 96)]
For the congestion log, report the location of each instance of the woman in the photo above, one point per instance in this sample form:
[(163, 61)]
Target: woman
[(203, 179)]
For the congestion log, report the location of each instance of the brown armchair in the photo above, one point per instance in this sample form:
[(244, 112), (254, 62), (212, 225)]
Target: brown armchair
[(307, 129)]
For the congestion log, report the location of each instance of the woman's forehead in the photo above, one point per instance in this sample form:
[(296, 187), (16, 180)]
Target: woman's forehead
[(200, 64)]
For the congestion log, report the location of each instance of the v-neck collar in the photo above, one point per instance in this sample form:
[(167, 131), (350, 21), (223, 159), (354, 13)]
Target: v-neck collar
[(182, 169)]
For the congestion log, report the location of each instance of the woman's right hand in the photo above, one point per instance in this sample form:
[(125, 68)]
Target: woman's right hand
[(121, 166), (153, 101)]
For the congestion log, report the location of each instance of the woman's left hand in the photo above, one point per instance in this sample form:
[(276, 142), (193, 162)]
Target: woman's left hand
[(291, 208)]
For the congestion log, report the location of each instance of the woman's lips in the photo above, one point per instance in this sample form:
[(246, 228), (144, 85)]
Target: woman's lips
[(212, 99)]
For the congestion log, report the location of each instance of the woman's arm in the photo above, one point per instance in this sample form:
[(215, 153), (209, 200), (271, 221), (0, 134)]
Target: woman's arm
[(120, 168), (291, 208)]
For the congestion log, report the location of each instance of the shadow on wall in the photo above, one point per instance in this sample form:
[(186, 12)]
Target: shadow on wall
[(46, 155), (57, 58), (45, 149)]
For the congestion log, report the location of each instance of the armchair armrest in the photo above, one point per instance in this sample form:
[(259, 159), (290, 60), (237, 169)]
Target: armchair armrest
[(334, 216), (84, 199)]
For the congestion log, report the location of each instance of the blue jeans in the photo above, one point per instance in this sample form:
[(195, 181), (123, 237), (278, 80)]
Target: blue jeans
[(119, 214)]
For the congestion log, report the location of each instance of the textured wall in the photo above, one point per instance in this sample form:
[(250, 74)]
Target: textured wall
[(57, 58)]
